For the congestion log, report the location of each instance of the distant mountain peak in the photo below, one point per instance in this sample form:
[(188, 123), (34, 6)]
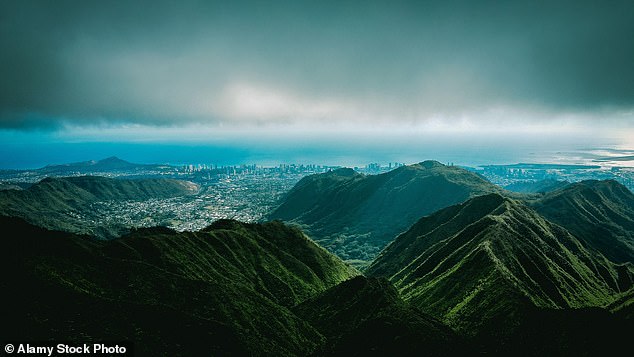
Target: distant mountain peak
[(344, 171), (430, 164), (597, 183), (111, 159), (588, 189), (373, 209), (109, 163)]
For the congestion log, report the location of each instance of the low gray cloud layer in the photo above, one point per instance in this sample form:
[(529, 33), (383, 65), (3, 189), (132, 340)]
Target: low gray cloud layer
[(171, 63)]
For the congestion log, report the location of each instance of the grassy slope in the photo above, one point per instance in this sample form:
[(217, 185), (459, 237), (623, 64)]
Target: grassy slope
[(355, 216), (48, 202), (366, 316), (476, 264), (227, 289), (600, 213), (624, 305)]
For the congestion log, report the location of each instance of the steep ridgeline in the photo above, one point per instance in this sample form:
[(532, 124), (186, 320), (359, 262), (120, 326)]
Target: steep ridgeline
[(225, 290), (624, 305), (355, 215), (365, 316), (53, 202), (489, 264), (599, 213)]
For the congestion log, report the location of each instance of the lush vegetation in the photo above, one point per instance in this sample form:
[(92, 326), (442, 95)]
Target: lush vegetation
[(366, 316), (492, 267), (56, 202), (498, 273), (355, 216), (227, 289), (600, 213)]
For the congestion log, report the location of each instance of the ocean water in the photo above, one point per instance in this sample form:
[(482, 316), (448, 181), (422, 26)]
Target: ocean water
[(32, 150)]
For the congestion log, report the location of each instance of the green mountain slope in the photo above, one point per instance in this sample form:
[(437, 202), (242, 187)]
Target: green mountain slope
[(624, 305), (366, 316), (105, 165), (355, 216), (224, 290), (485, 264), (541, 186), (599, 213), (52, 202)]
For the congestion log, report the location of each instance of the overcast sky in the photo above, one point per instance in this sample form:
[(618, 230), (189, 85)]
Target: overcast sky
[(192, 67)]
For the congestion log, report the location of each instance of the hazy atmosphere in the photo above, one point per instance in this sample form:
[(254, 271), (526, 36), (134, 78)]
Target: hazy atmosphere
[(340, 81), (317, 178)]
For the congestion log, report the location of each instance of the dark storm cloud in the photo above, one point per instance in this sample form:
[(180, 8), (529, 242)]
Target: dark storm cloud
[(178, 62)]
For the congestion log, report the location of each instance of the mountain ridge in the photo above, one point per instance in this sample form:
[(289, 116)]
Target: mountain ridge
[(230, 287), (356, 215), (366, 316), (494, 256), (600, 213), (111, 163), (52, 201)]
